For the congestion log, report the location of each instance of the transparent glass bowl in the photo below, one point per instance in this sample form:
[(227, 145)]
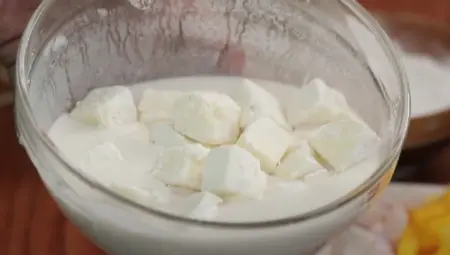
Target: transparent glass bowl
[(70, 47)]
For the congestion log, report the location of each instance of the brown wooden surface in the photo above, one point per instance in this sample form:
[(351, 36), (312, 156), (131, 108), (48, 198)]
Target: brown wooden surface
[(14, 15), (30, 222), (436, 10), (4, 79)]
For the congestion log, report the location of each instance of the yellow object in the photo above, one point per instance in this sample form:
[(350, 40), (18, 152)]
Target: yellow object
[(429, 211), (428, 241), (441, 227), (409, 243), (444, 250), (428, 232)]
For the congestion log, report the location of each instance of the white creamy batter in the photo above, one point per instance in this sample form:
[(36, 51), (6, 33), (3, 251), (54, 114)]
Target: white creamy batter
[(94, 151)]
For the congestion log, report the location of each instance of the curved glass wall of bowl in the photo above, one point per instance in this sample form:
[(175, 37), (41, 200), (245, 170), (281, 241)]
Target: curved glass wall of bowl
[(73, 46), (251, 38)]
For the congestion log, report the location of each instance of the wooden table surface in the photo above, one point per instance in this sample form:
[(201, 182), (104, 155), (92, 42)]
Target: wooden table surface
[(31, 223)]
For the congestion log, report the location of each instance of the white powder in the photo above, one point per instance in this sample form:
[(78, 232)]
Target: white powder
[(57, 45), (141, 4), (428, 78), (102, 12), (429, 84)]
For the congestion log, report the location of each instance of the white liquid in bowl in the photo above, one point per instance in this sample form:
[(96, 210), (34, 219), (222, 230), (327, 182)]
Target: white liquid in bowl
[(124, 231), (283, 198)]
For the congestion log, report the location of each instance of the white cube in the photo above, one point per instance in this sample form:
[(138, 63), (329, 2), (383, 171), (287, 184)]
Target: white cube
[(267, 141), (181, 166), (301, 134), (314, 103), (233, 171), (102, 161), (257, 103), (106, 107), (201, 206), (344, 142), (207, 117), (157, 105), (298, 163), (140, 156), (163, 134)]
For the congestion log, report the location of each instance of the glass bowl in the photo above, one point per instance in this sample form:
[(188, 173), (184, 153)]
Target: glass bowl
[(70, 47)]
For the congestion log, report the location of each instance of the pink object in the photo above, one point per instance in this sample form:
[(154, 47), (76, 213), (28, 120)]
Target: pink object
[(387, 218), (14, 15)]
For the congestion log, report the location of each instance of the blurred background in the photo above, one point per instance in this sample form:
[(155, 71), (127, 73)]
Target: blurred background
[(420, 30)]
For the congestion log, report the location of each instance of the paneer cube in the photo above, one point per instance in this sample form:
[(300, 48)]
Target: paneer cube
[(258, 103), (106, 107), (181, 166), (298, 163), (207, 117), (300, 135), (201, 206), (157, 105), (344, 142), (267, 141), (233, 171), (315, 103), (163, 134)]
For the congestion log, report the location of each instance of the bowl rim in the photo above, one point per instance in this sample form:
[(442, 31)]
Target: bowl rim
[(385, 166)]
